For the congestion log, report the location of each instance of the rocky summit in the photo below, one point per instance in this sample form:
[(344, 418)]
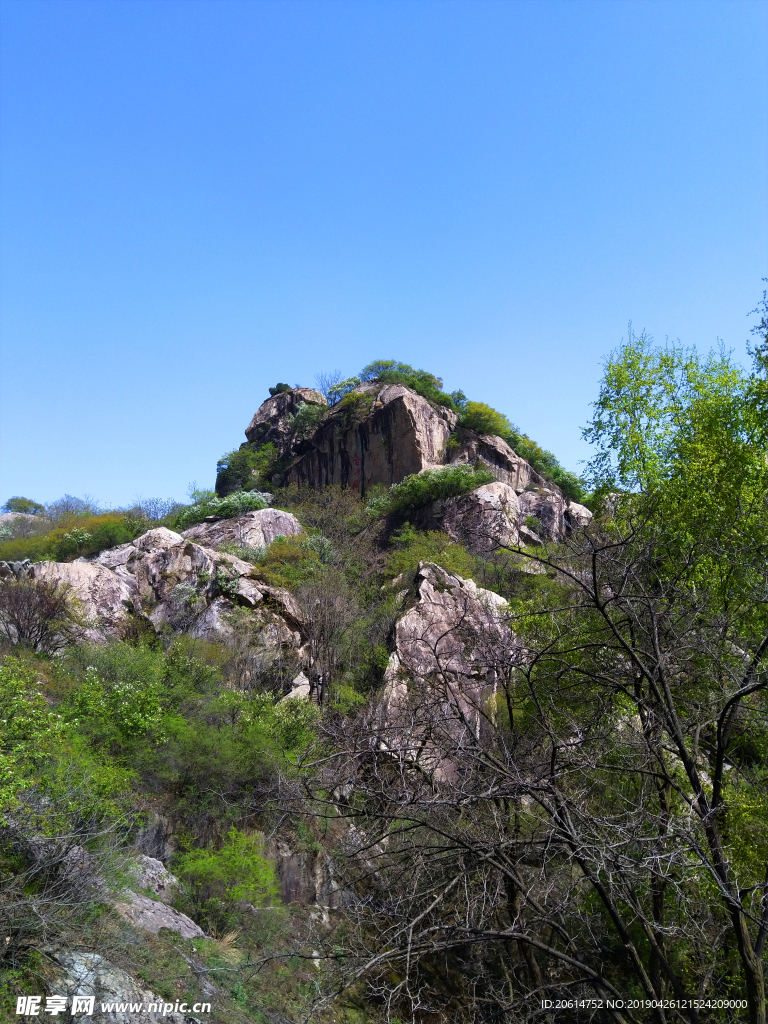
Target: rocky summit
[(380, 433)]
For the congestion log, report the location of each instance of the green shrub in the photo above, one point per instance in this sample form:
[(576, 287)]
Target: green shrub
[(354, 407), (337, 391), (91, 535), (420, 489), (219, 879), (122, 688), (410, 546), (279, 389), (245, 468), (485, 420), (28, 728), (289, 562), (24, 505), (390, 371), (233, 505), (306, 420)]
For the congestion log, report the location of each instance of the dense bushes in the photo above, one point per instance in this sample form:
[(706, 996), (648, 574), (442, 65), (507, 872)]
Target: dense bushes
[(389, 371), (485, 420), (82, 536), (211, 505), (246, 468), (420, 489)]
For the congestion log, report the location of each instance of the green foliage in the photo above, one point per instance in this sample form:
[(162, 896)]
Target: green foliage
[(246, 468), (122, 688), (337, 391), (354, 407), (240, 870), (24, 505), (306, 420), (485, 420), (91, 535), (409, 547), (289, 562), (28, 730), (233, 505), (420, 489), (390, 371), (279, 389)]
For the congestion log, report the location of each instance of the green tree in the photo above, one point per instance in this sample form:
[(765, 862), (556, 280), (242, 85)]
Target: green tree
[(24, 506)]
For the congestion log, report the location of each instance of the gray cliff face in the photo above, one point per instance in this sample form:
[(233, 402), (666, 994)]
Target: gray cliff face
[(270, 423), (384, 436), (452, 648)]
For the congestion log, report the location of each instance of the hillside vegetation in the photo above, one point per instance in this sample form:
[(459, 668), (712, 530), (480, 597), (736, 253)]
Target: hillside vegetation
[(530, 774)]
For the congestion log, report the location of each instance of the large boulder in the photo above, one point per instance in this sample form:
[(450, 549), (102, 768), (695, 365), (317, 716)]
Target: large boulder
[(86, 975), (454, 629), (494, 452), (151, 915), (483, 520), (498, 515), (271, 421), (254, 529), (452, 648), (169, 580), (103, 596), (378, 434)]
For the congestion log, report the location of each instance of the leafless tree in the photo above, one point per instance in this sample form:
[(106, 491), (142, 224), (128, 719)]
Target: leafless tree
[(325, 382), (38, 614), (328, 611), (582, 828)]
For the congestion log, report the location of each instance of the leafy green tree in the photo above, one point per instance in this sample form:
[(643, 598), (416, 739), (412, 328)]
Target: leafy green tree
[(24, 506)]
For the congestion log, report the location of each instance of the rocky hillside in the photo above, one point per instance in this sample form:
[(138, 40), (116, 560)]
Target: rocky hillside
[(390, 727)]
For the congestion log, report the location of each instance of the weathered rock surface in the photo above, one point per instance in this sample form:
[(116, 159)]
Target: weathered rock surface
[(152, 915), (388, 434), (88, 974), (451, 649), (498, 515), (271, 424), (483, 520), (455, 629), (505, 464), (103, 596), (150, 873), (171, 580), (254, 529), (305, 876)]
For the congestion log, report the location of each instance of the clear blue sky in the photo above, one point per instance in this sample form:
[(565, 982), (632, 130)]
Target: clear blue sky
[(202, 198)]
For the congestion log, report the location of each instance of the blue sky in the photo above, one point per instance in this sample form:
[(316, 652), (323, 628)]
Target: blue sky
[(202, 198)]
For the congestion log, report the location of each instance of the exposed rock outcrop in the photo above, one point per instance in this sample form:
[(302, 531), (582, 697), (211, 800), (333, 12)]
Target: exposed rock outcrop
[(451, 649), (498, 515), (378, 434), (90, 975), (171, 580), (271, 421), (494, 452), (150, 873), (104, 596), (305, 876), (254, 529), (455, 630), (151, 915)]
